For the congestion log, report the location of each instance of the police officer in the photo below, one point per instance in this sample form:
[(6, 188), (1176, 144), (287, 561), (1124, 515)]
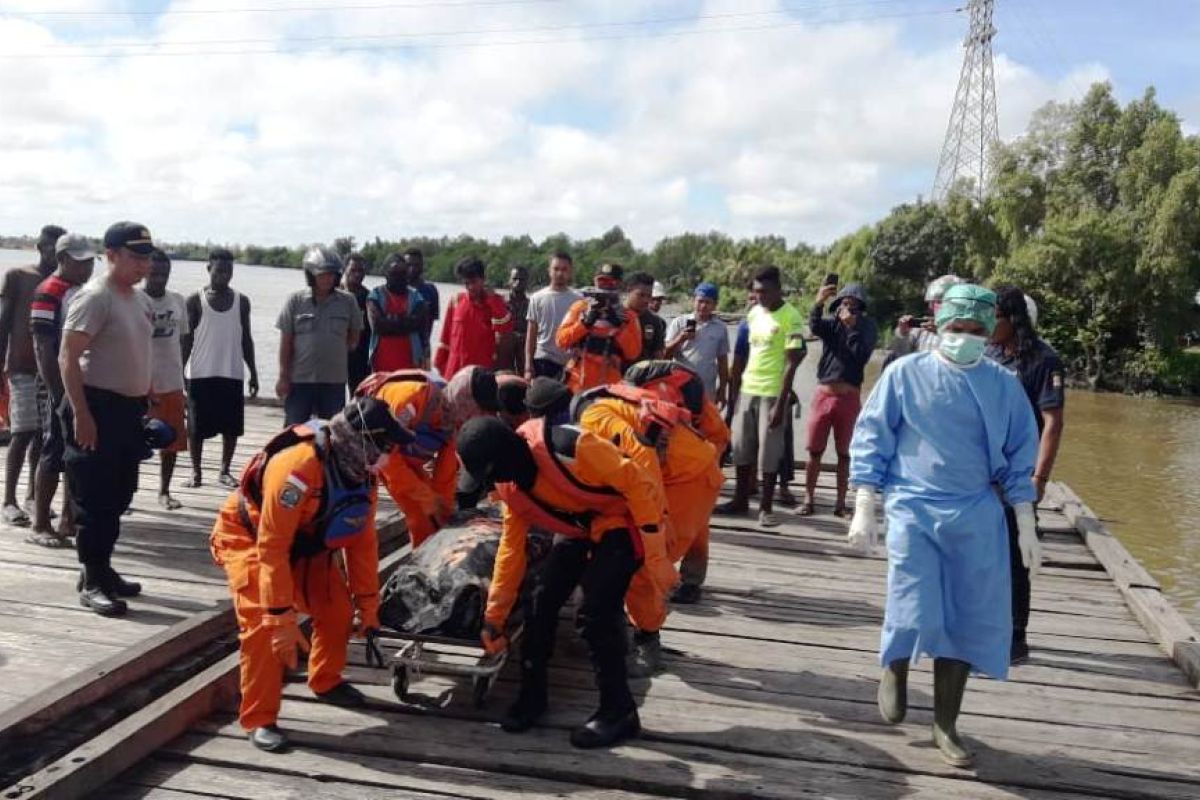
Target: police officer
[(298, 535)]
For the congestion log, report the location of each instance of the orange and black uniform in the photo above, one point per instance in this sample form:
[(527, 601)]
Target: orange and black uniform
[(599, 352), (423, 487), (687, 463), (614, 500), (267, 575)]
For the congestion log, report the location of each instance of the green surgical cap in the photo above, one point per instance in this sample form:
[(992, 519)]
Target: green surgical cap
[(970, 302)]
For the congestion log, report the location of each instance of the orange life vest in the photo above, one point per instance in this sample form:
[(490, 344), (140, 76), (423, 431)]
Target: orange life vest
[(672, 381), (430, 439), (657, 416), (551, 458)]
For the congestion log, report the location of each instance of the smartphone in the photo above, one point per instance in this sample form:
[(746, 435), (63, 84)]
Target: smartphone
[(690, 324), (831, 279)]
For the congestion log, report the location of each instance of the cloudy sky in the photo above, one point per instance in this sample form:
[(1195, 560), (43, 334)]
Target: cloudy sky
[(286, 121)]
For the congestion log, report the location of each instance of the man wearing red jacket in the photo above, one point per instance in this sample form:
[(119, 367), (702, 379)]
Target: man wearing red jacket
[(478, 329)]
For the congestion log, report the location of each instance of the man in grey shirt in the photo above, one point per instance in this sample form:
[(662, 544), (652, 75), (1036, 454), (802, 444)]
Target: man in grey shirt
[(547, 307), (702, 340), (318, 328), (105, 362)]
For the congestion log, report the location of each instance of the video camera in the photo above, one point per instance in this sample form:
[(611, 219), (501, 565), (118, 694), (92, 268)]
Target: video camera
[(604, 298)]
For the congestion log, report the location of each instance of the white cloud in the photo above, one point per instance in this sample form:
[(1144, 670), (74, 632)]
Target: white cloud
[(808, 131)]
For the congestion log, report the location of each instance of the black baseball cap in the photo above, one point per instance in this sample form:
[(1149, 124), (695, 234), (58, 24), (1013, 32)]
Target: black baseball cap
[(132, 235), (610, 270)]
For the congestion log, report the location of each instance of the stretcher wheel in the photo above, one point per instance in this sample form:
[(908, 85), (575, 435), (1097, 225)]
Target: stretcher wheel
[(480, 687), (400, 683)]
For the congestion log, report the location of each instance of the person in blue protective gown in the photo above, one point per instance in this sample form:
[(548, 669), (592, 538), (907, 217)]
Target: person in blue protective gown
[(946, 435)]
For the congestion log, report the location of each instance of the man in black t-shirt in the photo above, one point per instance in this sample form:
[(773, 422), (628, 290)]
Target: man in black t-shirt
[(358, 366), (640, 287), (1016, 346)]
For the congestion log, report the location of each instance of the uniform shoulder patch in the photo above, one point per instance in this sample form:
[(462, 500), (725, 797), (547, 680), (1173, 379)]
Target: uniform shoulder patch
[(1056, 380), (293, 491)]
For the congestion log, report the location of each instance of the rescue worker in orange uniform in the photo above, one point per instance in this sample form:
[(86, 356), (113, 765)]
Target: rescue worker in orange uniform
[(656, 424), (422, 478), (606, 513), (603, 337), (690, 517), (298, 536)]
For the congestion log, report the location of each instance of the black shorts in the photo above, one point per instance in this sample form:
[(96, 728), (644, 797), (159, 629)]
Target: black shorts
[(217, 407), (54, 440)]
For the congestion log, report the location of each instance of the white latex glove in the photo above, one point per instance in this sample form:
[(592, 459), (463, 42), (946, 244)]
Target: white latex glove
[(1027, 540), (864, 528)]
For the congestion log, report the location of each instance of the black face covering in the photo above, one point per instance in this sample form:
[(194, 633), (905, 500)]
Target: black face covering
[(490, 450), (396, 284)]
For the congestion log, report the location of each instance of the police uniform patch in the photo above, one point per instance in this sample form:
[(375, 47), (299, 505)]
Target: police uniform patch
[(290, 496), (1056, 380)]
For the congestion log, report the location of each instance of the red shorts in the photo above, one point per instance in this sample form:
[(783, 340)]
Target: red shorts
[(836, 412)]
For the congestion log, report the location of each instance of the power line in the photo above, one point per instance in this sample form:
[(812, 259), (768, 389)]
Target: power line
[(174, 12), (645, 34), (480, 31)]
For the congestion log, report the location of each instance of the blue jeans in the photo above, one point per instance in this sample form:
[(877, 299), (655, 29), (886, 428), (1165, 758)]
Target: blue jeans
[(308, 400)]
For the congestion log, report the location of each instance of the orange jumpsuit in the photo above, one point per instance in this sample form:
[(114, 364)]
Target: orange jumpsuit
[(691, 477), (596, 359), (263, 576), (596, 463), (424, 493)]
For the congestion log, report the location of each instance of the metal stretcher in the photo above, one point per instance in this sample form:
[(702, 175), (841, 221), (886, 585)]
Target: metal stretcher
[(411, 655)]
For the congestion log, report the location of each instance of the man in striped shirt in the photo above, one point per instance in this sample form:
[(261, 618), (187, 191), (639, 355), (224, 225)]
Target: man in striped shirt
[(76, 258)]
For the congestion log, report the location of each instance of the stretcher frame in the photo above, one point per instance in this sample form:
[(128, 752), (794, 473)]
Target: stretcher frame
[(412, 659)]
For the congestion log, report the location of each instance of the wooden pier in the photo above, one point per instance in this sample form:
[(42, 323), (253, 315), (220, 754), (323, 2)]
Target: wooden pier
[(769, 692)]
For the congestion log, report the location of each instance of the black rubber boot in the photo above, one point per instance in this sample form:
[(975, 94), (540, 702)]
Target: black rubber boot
[(530, 704), (269, 739), (687, 594), (344, 695), (647, 654), (949, 683), (96, 595), (120, 586), (605, 731), (893, 691)]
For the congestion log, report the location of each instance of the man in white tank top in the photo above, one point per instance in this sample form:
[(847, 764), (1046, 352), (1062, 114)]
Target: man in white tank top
[(214, 351)]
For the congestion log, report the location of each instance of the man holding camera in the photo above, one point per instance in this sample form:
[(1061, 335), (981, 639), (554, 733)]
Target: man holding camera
[(106, 371), (848, 339), (602, 336)]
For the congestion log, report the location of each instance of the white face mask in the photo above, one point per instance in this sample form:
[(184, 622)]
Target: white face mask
[(963, 349)]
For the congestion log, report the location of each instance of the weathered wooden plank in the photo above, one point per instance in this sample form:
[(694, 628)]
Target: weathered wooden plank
[(103, 758), (126, 667), (646, 765), (1162, 621), (291, 777)]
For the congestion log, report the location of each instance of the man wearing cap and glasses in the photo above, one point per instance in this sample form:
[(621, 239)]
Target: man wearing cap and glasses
[(106, 372), (76, 258), (19, 368)]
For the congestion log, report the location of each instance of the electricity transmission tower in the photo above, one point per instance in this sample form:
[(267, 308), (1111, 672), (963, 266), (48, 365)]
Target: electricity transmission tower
[(973, 128)]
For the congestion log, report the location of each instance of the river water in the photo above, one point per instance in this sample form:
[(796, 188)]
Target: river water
[(1135, 461)]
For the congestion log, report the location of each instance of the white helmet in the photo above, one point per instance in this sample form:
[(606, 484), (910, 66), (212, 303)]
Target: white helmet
[(658, 291), (937, 288)]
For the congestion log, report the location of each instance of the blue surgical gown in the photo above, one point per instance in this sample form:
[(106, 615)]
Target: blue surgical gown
[(944, 443)]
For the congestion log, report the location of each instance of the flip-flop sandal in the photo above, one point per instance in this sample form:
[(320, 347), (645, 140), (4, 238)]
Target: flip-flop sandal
[(841, 512), (227, 480), (15, 516), (806, 510), (169, 503), (193, 482), (787, 500), (50, 540)]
